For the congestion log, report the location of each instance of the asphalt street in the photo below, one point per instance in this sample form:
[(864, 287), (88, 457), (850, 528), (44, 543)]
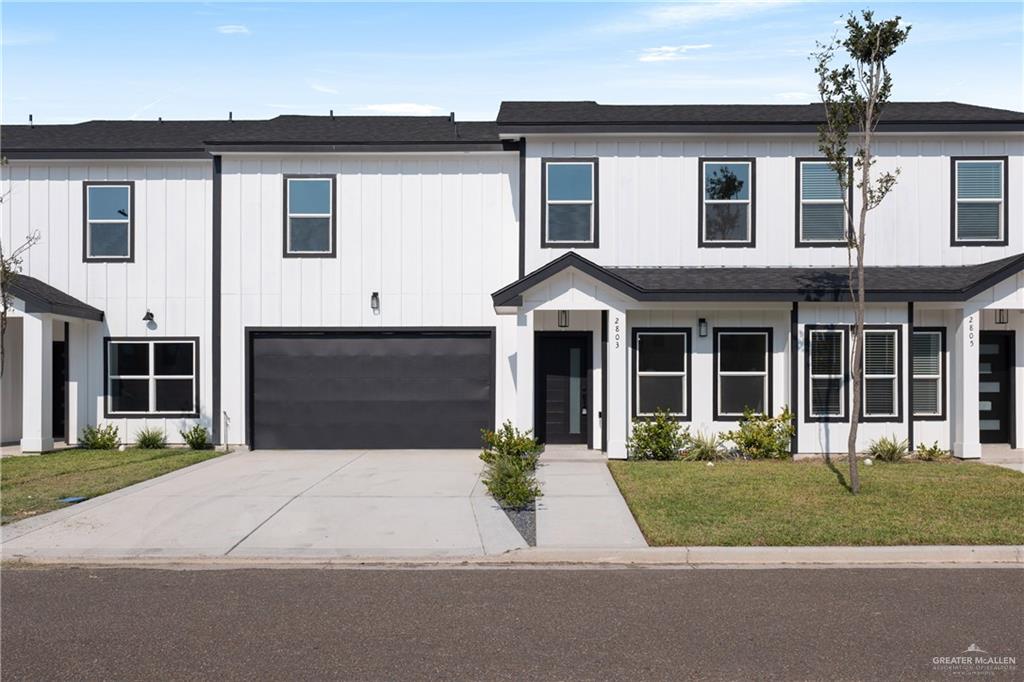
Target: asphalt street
[(505, 624)]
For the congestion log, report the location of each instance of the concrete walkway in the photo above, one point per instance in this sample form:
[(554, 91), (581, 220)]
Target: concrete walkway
[(337, 504), (581, 506)]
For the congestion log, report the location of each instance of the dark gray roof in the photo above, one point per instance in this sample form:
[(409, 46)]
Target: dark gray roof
[(583, 115), (40, 297), (198, 137), (882, 283)]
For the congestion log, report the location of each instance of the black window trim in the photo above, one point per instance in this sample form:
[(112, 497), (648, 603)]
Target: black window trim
[(86, 184), (634, 370), (809, 417), (799, 242), (108, 414), (954, 239), (334, 216), (901, 383), (544, 243), (943, 378), (703, 243), (769, 332)]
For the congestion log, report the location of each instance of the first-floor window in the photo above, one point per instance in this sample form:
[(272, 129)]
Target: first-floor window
[(742, 367), (881, 380), (827, 372), (155, 376), (927, 365), (661, 372)]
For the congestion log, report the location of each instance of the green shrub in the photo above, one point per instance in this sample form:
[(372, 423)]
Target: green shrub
[(151, 439), (100, 437), (198, 437), (659, 438), (888, 449), (510, 458), (931, 453), (762, 437), (703, 447)]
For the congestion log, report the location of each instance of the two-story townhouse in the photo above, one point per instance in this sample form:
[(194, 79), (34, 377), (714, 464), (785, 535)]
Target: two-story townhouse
[(333, 282)]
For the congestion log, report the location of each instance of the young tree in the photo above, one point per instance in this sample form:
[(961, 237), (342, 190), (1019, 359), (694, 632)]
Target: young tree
[(854, 84)]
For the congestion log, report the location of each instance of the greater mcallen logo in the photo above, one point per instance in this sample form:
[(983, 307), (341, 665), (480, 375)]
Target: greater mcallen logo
[(974, 661)]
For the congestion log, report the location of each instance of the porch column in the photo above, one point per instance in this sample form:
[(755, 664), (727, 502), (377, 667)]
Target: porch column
[(524, 370), (964, 398), (78, 379), (37, 383), (617, 409)]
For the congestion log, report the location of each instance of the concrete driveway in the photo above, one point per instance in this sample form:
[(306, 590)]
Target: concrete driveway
[(327, 504)]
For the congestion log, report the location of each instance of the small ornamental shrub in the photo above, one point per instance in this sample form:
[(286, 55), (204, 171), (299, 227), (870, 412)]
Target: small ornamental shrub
[(703, 447), (100, 437), (510, 457), (931, 453), (762, 437), (888, 449), (660, 438), (198, 437), (151, 439)]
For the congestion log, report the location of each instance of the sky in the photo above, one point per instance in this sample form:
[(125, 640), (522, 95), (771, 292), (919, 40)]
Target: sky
[(65, 63)]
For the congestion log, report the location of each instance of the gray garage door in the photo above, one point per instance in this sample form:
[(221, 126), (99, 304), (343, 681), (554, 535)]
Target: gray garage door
[(381, 389)]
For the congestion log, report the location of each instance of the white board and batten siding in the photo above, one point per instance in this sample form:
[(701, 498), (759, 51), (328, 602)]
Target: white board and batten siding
[(171, 274), (648, 200), (434, 234)]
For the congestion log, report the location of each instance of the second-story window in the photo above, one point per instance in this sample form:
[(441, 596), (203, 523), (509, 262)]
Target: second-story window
[(569, 203), (822, 217), (109, 221), (726, 202), (309, 216), (979, 201)]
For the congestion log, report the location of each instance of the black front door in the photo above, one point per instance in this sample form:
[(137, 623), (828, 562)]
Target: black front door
[(60, 388), (562, 390), (995, 387)]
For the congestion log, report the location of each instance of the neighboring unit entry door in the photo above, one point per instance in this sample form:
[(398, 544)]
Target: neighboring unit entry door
[(995, 391), (563, 368)]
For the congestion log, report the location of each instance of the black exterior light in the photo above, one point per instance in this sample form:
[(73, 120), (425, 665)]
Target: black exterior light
[(148, 317), (702, 327), (563, 318), (1002, 316), (375, 302)]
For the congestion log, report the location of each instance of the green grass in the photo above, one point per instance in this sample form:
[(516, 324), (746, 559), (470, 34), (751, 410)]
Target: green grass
[(32, 485), (806, 503)]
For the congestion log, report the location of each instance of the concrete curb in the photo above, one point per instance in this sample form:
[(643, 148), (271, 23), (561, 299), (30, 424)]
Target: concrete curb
[(927, 556)]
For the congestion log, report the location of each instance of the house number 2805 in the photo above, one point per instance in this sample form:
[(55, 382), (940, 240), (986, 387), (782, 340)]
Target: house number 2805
[(970, 330), (617, 329)]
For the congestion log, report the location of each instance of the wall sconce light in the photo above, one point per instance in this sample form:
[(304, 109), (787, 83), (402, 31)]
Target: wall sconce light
[(702, 327), (1002, 316), (375, 302), (563, 318), (148, 317)]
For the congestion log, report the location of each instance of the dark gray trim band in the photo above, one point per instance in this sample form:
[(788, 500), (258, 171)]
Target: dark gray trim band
[(215, 306), (522, 207), (326, 148), (520, 129), (794, 375), (909, 384), (103, 154)]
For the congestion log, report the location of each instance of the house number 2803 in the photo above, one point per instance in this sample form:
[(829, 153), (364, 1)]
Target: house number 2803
[(617, 329)]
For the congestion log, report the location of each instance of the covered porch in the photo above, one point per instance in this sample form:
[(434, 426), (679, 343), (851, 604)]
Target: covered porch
[(42, 389)]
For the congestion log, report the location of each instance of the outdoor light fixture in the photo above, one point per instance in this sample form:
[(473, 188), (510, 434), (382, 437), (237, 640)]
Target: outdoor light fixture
[(702, 327), (563, 318), (148, 317), (375, 302), (1002, 316)]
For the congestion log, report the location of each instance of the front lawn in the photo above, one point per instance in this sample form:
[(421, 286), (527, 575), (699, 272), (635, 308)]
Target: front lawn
[(32, 485), (805, 503)]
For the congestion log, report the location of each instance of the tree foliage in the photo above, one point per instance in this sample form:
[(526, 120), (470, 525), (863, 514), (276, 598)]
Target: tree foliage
[(855, 84)]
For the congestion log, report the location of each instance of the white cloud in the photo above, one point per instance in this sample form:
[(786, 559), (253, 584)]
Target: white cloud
[(679, 16), (795, 97), (401, 109), (669, 53), (233, 29), (326, 89)]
